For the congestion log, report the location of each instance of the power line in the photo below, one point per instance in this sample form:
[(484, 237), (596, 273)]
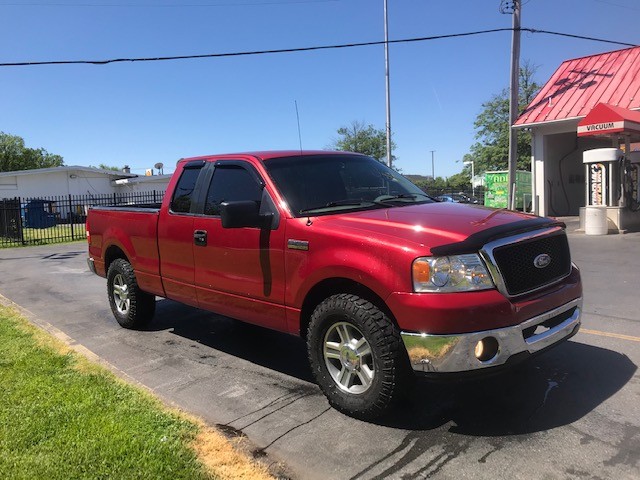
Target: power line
[(580, 37), (306, 49), (164, 5), (617, 4)]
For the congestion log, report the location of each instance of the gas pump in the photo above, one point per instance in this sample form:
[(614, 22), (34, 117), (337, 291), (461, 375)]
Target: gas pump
[(612, 174), (602, 173), (630, 168)]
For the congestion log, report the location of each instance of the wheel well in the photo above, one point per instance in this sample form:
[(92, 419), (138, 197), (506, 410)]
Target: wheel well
[(113, 253), (334, 286)]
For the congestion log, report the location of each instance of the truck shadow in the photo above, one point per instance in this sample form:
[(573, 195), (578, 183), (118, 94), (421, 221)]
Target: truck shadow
[(552, 390), (273, 350)]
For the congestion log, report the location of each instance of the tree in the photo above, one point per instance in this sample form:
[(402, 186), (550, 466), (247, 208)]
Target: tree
[(104, 166), (15, 156), (367, 140), (460, 181), (491, 151), (432, 185)]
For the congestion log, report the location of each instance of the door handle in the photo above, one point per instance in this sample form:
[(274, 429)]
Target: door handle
[(200, 238)]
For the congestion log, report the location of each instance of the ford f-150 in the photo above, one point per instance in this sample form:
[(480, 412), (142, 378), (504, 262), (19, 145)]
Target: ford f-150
[(381, 280)]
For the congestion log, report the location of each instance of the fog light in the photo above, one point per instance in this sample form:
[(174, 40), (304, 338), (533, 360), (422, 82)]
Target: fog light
[(486, 349)]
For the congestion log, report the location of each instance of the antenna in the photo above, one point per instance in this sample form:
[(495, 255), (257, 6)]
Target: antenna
[(158, 166), (299, 134)]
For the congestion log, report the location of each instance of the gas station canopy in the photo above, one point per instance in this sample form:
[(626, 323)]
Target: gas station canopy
[(606, 119)]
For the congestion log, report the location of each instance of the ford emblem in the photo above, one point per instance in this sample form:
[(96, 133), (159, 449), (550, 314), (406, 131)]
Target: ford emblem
[(541, 261)]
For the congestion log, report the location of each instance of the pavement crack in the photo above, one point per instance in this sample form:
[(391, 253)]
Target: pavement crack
[(290, 401), (551, 384), (262, 451)]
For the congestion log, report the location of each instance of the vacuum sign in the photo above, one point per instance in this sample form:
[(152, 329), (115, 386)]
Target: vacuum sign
[(605, 127)]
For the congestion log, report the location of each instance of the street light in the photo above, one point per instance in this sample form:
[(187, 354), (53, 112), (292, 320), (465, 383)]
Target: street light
[(386, 76), (473, 174), (433, 170)]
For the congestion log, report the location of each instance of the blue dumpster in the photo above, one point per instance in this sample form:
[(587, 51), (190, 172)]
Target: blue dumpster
[(39, 214)]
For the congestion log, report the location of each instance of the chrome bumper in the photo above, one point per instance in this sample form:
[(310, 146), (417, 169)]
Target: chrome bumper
[(91, 264), (457, 353)]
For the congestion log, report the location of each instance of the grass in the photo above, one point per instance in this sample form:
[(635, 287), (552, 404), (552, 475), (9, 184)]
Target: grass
[(63, 417), (42, 236)]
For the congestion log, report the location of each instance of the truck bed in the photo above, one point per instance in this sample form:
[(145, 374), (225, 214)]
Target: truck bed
[(132, 229), (146, 207)]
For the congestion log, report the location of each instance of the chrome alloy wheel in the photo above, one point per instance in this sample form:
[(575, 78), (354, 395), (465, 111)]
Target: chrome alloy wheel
[(121, 294), (348, 357)]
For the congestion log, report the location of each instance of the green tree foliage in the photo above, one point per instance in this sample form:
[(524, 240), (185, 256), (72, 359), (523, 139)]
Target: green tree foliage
[(491, 151), (104, 166), (428, 183), (367, 140), (460, 181), (15, 156)]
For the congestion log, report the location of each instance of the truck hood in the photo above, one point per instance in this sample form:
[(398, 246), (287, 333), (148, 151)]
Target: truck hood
[(445, 228)]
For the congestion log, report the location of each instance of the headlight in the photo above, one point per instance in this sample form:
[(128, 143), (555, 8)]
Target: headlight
[(457, 273)]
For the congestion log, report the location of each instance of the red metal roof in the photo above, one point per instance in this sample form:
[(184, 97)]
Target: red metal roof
[(580, 84)]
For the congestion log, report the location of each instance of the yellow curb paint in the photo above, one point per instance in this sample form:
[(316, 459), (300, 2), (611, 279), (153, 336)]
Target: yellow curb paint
[(612, 335)]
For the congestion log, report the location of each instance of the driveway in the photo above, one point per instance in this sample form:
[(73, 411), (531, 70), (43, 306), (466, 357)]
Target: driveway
[(571, 413)]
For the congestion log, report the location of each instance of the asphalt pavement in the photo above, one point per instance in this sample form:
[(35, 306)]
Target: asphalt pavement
[(573, 412)]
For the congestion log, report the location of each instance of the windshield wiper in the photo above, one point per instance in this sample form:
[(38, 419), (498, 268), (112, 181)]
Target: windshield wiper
[(339, 203), (402, 196)]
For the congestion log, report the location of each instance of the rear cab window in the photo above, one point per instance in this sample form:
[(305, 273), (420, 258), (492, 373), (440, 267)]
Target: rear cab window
[(183, 195)]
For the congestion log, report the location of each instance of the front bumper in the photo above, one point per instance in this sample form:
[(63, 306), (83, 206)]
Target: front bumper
[(457, 353)]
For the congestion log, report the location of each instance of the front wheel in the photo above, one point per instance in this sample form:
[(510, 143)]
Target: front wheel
[(356, 354), (132, 307)]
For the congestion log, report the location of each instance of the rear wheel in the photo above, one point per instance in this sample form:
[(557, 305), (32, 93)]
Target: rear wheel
[(132, 307), (356, 354)]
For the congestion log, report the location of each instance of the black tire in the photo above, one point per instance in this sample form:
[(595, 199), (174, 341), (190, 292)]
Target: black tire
[(360, 384), (132, 307)]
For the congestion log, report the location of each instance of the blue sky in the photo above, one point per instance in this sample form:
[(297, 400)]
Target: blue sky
[(143, 113)]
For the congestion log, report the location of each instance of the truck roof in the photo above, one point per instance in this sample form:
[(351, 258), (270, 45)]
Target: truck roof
[(269, 154)]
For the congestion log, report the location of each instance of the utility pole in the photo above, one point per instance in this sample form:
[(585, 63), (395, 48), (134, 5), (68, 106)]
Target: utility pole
[(513, 102), (433, 171), (386, 68)]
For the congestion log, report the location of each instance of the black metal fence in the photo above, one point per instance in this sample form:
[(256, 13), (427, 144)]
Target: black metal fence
[(40, 220), (475, 196)]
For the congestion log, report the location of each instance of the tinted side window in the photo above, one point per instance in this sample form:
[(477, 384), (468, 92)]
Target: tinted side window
[(230, 183), (181, 201)]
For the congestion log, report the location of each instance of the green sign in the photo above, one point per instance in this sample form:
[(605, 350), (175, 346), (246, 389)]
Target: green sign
[(497, 189)]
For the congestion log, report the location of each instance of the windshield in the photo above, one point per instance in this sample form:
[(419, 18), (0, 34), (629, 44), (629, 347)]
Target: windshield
[(322, 184)]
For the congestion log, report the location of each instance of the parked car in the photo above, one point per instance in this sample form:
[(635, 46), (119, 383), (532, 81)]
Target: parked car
[(447, 198), (378, 279), (457, 198)]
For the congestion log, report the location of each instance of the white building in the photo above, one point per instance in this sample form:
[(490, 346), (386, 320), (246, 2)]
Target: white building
[(75, 180), (575, 90), (142, 184)]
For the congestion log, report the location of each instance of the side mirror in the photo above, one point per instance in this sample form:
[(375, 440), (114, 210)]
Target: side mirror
[(243, 213)]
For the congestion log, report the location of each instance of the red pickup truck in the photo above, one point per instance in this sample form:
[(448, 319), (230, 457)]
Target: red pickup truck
[(381, 280)]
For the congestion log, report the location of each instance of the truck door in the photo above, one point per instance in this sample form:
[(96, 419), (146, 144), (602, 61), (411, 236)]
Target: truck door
[(239, 272), (175, 236)]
